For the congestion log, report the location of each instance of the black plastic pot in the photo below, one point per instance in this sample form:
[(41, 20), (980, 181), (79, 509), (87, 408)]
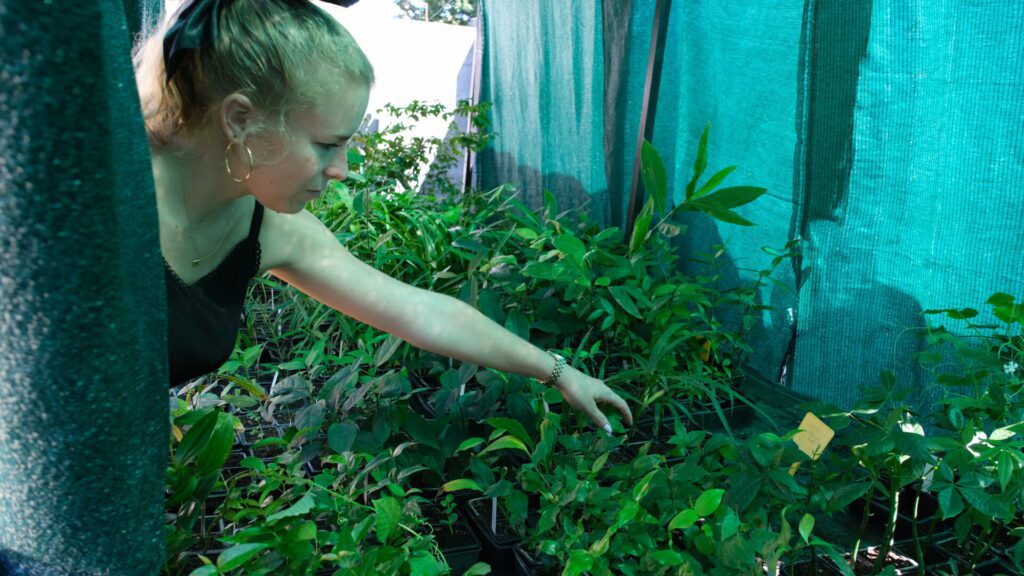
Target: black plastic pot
[(953, 562), (459, 546), (497, 547), (526, 565)]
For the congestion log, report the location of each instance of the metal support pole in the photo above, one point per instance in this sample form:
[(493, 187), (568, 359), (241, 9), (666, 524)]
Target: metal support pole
[(647, 113)]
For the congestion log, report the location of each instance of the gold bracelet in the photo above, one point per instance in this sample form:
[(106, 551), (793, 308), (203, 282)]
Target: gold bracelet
[(556, 371)]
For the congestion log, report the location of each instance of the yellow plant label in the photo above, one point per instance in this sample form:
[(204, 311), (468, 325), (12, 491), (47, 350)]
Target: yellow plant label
[(813, 437)]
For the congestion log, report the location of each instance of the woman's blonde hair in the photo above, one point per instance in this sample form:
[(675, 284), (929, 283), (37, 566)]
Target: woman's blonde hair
[(281, 54)]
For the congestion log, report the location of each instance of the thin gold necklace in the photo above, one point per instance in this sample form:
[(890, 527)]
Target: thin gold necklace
[(196, 261)]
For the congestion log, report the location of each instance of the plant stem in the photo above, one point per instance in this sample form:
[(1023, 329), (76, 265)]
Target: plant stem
[(890, 526), (863, 523), (980, 551)]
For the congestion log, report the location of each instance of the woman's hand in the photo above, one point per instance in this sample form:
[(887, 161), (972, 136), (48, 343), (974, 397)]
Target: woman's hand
[(584, 393)]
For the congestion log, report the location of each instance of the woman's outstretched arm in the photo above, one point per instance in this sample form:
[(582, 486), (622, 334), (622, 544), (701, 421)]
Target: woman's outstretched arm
[(303, 252)]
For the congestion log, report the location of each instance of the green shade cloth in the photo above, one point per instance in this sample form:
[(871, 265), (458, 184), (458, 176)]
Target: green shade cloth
[(83, 352), (889, 138)]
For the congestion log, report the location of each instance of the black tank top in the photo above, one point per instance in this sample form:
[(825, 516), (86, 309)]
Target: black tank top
[(203, 319)]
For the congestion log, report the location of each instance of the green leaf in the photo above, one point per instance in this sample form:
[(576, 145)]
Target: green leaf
[(627, 512), (730, 524), (526, 233), (478, 569), (513, 427), (622, 297), (207, 570), (303, 506), (384, 353), (700, 163), (986, 503), (652, 170), (806, 525), (197, 436), (667, 557), (341, 436), (1005, 466), (713, 182), (641, 226), (469, 443), (734, 196), (684, 519), (506, 442), (708, 502), (571, 246), (461, 484), (579, 562), (238, 555), (307, 531), (388, 511)]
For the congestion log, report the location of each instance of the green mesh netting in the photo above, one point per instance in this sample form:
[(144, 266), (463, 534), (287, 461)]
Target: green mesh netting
[(889, 138)]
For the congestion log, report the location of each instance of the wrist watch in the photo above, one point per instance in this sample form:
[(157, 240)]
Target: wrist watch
[(557, 371)]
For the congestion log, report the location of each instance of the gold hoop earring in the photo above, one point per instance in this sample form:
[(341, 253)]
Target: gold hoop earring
[(227, 165)]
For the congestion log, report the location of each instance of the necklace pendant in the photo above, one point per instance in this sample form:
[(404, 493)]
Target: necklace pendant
[(195, 263)]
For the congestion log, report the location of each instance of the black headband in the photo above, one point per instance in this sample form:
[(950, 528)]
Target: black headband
[(196, 29)]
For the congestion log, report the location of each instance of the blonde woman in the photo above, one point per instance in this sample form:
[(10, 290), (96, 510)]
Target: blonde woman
[(249, 106)]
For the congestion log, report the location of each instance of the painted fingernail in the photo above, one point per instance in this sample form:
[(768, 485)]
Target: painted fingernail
[(608, 428)]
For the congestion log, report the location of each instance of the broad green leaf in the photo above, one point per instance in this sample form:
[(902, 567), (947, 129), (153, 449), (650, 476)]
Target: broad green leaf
[(461, 484), (506, 442), (469, 443), (986, 503), (806, 525), (214, 453), (526, 233), (684, 519), (708, 502), (1005, 467), (734, 196), (341, 436), (307, 531), (196, 437), (641, 226), (207, 570), (652, 170), (622, 297), (579, 562), (478, 569), (627, 512), (572, 247), (719, 213), (238, 555), (388, 511), (425, 564), (303, 506), (667, 557), (730, 524), (384, 353), (310, 416), (513, 427)]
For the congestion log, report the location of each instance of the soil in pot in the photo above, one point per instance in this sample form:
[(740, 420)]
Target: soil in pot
[(458, 545), (498, 543), (866, 559)]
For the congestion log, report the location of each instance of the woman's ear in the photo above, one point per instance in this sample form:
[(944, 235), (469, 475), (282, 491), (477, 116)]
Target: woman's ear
[(237, 112)]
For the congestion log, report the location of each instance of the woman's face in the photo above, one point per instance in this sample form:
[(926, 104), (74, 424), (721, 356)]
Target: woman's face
[(315, 152)]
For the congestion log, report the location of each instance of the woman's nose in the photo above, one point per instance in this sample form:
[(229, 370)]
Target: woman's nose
[(338, 170)]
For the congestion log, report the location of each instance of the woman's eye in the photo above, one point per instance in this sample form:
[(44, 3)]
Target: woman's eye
[(329, 146)]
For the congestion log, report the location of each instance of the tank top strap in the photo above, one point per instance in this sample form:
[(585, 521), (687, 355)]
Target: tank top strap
[(257, 219)]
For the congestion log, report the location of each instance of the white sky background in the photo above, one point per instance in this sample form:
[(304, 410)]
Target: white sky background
[(412, 60)]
